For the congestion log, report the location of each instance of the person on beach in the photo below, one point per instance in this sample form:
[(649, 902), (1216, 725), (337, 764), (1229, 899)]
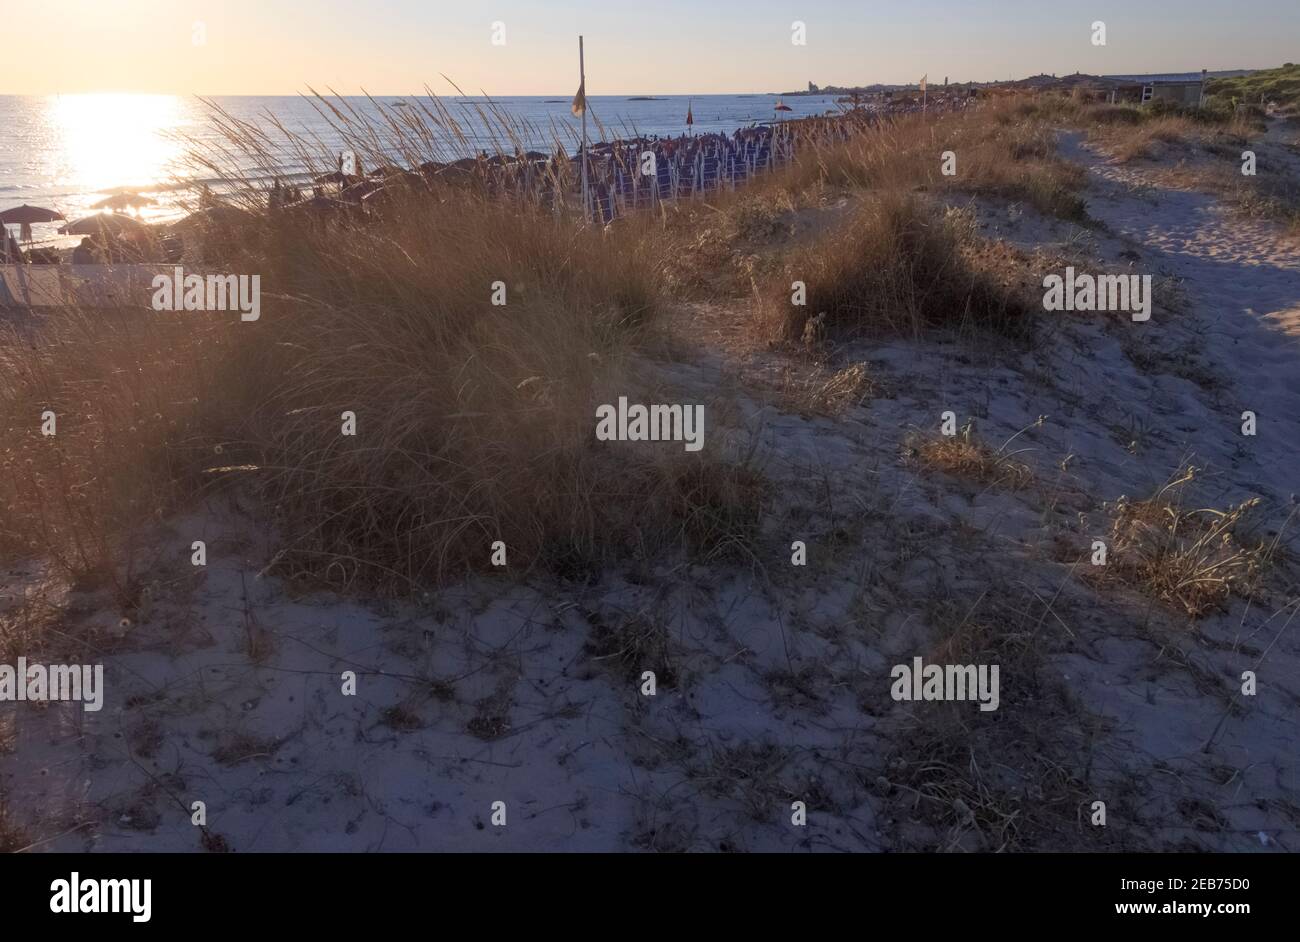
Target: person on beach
[(83, 254)]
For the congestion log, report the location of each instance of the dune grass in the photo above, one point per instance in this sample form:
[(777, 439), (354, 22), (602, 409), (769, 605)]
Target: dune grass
[(463, 408), (1280, 85), (997, 150), (463, 405), (1192, 559), (966, 457), (895, 267), (861, 222)]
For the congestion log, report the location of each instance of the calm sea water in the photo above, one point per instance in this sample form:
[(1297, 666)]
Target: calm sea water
[(69, 151)]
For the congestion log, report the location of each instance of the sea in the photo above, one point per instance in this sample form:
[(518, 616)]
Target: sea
[(69, 152)]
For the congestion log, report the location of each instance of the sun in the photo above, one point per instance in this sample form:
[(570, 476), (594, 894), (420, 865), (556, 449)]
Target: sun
[(113, 140)]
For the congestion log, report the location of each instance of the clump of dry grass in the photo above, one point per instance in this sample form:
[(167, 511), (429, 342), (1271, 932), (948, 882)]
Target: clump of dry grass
[(895, 267), (462, 407), (756, 218), (827, 391), (1273, 196), (1019, 161), (998, 150), (634, 644), (1192, 560), (1141, 141), (1014, 778), (716, 507), (964, 456), (131, 392)]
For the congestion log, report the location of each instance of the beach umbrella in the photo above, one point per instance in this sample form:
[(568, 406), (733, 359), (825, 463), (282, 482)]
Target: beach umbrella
[(690, 118), (781, 106), (106, 223), (218, 214), (24, 216), (124, 201)]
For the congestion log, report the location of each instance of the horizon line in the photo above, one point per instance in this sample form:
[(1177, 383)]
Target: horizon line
[(616, 94)]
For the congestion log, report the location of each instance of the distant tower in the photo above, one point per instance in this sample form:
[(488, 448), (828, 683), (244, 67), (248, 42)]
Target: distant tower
[(813, 89)]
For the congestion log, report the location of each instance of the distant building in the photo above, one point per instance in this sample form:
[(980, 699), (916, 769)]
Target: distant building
[(1186, 89)]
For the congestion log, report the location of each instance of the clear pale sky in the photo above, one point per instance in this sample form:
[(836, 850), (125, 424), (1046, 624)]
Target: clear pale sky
[(267, 47)]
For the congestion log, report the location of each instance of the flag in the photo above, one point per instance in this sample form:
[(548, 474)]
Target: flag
[(690, 118), (580, 100), (923, 78)]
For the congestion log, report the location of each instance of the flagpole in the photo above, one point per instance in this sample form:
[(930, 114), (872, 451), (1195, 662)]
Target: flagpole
[(582, 84)]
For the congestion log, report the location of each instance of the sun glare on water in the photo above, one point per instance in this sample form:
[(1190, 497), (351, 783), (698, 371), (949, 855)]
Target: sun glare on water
[(107, 141)]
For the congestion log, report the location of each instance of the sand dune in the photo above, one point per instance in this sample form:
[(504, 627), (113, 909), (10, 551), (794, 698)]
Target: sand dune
[(773, 680)]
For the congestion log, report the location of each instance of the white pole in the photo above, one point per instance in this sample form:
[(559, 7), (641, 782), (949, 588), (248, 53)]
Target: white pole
[(582, 83)]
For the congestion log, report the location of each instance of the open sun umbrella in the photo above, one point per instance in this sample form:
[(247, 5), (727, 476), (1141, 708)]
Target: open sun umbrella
[(216, 215), (124, 201), (25, 216), (781, 106), (107, 223)]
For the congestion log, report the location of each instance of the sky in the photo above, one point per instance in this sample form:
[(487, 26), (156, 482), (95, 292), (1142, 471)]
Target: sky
[(397, 47)]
